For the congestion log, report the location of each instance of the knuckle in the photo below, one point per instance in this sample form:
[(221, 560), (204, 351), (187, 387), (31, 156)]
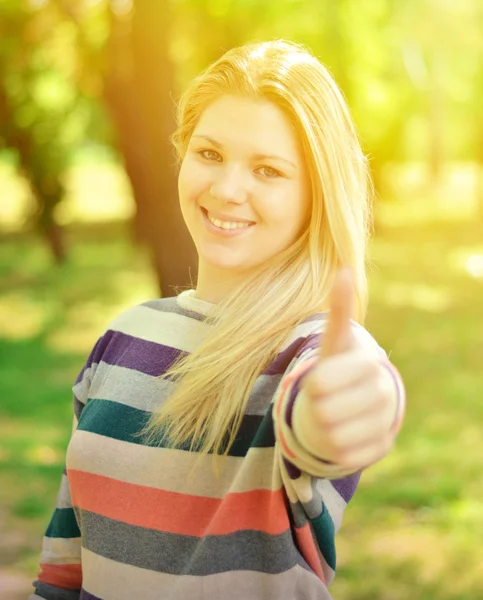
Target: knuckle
[(326, 416), (335, 441), (315, 382)]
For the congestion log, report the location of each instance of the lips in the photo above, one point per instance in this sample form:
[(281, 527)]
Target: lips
[(227, 218)]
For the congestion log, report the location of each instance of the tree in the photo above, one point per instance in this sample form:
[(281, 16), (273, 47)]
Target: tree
[(30, 120)]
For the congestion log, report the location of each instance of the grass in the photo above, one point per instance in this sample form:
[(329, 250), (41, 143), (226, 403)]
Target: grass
[(415, 527)]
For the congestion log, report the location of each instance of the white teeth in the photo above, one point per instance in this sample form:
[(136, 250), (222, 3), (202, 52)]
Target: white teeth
[(227, 224)]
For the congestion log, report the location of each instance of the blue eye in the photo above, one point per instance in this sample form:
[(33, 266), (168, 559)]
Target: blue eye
[(211, 155)]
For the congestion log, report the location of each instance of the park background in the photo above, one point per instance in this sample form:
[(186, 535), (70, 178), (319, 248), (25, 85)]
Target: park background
[(89, 226)]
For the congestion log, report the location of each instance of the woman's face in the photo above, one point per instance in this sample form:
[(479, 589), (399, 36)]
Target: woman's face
[(243, 184)]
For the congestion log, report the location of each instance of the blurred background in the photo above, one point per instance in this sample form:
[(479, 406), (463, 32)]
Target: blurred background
[(89, 225)]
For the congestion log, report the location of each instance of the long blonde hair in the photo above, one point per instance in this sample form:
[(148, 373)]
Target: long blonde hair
[(251, 324)]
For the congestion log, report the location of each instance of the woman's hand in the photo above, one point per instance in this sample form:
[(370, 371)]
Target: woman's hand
[(350, 398)]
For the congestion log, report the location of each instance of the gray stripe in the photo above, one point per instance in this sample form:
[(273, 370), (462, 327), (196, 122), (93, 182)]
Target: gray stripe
[(313, 508), (323, 493), (298, 514), (170, 305), (183, 554), (145, 392)]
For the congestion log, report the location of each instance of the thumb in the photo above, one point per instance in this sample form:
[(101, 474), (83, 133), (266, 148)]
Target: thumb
[(338, 336)]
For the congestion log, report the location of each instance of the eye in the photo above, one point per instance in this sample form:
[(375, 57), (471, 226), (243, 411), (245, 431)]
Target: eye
[(210, 155), (269, 172)]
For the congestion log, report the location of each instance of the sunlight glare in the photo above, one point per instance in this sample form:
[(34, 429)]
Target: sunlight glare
[(474, 265), (20, 318), (423, 297)]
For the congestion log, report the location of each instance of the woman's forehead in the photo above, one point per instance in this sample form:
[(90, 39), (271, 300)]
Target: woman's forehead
[(252, 123)]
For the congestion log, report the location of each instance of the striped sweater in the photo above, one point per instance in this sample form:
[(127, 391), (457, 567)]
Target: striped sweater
[(137, 521)]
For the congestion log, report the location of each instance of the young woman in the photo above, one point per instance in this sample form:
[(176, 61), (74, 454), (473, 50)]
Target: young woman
[(219, 434)]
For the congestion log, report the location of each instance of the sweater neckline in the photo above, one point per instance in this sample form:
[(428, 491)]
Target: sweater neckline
[(188, 301)]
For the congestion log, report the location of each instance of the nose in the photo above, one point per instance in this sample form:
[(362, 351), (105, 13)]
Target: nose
[(230, 185)]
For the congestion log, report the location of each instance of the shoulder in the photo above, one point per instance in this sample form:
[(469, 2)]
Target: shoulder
[(137, 316), (304, 339), (154, 319), (151, 326)]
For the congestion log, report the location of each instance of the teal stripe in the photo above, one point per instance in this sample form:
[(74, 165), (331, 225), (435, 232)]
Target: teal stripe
[(63, 524), (324, 530), (124, 423)]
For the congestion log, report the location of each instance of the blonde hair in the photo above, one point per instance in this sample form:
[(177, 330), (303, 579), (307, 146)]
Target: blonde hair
[(251, 324)]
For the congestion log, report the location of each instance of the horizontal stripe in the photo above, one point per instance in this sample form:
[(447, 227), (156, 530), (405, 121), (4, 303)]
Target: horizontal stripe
[(171, 305), (63, 551), (128, 344), (158, 327), (63, 524), (112, 580), (155, 358), (87, 596), (171, 470), (259, 510), (147, 392), (346, 486), (188, 555), (333, 501), (64, 576), (125, 423), (50, 592), (311, 327), (306, 545), (324, 531), (139, 354)]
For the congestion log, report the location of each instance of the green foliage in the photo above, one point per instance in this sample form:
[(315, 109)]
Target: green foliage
[(417, 517)]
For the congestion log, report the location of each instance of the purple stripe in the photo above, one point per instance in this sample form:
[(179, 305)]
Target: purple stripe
[(291, 401), (134, 353), (120, 349), (96, 353), (347, 485), (293, 471), (87, 596), (387, 365), (296, 348), (312, 342)]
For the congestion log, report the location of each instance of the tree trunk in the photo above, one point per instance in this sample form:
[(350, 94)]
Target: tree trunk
[(140, 100)]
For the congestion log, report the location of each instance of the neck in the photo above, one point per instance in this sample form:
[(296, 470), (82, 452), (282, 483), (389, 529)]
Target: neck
[(213, 284)]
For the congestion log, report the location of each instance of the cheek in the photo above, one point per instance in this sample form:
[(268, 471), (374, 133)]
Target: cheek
[(192, 182), (287, 210)]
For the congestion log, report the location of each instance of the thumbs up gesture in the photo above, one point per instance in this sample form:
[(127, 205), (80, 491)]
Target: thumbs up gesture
[(350, 397)]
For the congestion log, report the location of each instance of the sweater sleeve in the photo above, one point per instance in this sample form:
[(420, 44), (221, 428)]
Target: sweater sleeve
[(60, 576), (290, 398), (317, 491)]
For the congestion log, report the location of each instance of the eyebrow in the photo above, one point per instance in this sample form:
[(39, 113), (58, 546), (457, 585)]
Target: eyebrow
[(255, 156)]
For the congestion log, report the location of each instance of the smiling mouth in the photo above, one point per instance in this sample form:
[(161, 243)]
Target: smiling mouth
[(226, 225)]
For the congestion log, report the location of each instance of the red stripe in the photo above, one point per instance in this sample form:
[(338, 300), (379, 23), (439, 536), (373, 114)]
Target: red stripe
[(307, 546), (260, 510), (283, 443), (68, 577)]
